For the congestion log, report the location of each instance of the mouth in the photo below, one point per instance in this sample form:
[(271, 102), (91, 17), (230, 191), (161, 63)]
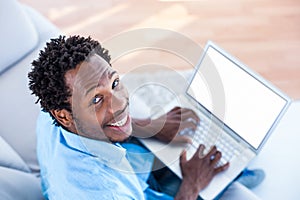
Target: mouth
[(121, 120), (119, 123), (121, 127)]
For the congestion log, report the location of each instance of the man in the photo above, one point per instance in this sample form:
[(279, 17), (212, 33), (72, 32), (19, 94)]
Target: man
[(83, 154)]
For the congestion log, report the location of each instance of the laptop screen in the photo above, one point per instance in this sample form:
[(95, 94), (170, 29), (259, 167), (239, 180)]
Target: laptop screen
[(236, 97)]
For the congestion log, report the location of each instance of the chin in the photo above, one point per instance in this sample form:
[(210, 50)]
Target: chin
[(119, 137), (123, 139)]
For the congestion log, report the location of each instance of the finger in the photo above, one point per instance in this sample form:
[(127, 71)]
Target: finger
[(183, 114), (174, 115), (179, 110), (176, 108), (183, 157), (212, 152), (216, 158), (187, 124), (221, 168), (186, 110), (182, 139), (200, 151), (190, 114)]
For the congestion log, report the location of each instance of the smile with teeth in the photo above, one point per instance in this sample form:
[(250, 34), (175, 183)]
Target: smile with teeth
[(122, 122)]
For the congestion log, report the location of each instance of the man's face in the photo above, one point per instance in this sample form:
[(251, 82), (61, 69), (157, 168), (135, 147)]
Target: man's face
[(99, 101)]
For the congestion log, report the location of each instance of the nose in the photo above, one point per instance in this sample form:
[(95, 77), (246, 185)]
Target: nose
[(117, 102)]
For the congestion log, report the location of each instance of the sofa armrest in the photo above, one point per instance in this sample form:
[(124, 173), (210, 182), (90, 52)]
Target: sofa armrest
[(17, 185)]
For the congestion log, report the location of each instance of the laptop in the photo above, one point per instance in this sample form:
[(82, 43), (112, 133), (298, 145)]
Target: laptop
[(238, 109)]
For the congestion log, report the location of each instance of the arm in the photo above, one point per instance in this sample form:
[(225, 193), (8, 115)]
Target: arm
[(198, 172), (166, 127), (200, 169)]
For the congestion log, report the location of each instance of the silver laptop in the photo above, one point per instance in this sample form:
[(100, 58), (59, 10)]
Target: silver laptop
[(238, 111)]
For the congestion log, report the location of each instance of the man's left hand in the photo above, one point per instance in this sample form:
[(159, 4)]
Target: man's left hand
[(166, 127)]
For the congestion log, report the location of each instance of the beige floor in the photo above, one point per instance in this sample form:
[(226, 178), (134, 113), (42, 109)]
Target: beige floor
[(263, 34)]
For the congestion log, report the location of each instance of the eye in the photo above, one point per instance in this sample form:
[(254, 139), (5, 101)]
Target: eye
[(96, 99), (115, 83)]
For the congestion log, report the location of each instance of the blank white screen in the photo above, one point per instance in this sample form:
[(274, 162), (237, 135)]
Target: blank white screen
[(249, 108)]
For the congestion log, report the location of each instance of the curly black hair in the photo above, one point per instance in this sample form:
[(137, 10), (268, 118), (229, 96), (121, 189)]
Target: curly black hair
[(47, 77)]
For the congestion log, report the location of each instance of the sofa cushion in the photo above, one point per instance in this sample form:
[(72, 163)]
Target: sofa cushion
[(18, 185), (18, 35), (18, 111), (9, 158)]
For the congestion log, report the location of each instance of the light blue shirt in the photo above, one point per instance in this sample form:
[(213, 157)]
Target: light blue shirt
[(74, 167)]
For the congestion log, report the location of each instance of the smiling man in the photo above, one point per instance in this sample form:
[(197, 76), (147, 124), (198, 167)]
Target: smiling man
[(99, 102), (85, 130)]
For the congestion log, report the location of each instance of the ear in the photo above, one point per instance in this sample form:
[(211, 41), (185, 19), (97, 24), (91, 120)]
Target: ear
[(64, 117)]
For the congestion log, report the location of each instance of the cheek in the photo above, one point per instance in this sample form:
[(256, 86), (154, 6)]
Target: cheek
[(120, 98), (122, 91), (97, 119), (89, 126), (99, 114)]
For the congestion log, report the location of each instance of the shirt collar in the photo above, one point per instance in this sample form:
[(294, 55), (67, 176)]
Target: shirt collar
[(107, 152)]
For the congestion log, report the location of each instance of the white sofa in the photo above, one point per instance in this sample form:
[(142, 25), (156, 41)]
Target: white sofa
[(23, 33)]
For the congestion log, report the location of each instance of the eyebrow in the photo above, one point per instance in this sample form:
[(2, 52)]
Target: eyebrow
[(110, 75)]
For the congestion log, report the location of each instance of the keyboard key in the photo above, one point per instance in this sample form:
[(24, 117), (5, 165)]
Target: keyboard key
[(210, 135)]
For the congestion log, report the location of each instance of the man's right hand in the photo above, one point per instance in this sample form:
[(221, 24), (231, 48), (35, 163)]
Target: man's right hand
[(198, 171)]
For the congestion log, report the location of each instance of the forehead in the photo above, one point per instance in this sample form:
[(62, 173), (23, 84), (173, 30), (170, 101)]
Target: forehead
[(94, 67), (94, 71)]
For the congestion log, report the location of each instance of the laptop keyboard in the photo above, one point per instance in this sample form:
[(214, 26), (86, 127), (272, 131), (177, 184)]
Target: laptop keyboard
[(210, 135)]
